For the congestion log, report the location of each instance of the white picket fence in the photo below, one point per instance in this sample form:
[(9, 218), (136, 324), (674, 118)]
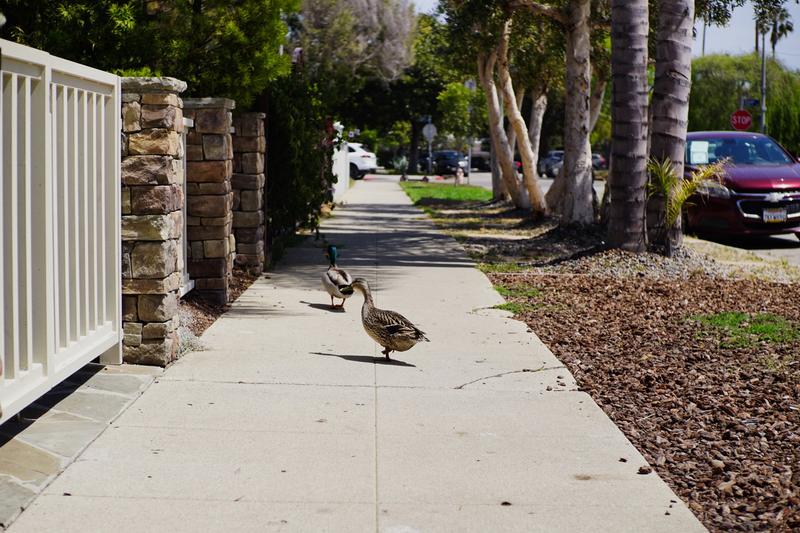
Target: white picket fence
[(60, 289)]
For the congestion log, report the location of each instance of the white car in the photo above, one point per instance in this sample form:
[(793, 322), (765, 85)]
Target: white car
[(361, 161)]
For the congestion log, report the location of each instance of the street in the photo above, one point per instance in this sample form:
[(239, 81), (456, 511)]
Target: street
[(777, 247)]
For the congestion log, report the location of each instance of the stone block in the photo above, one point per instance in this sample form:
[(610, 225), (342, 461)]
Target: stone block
[(156, 352), (249, 124), (158, 330), (126, 200), (248, 181), (217, 221), (150, 170), (129, 312), (249, 260), (248, 219), (203, 233), (152, 227), (204, 284), (123, 145), (248, 144), (237, 199), (196, 250), (216, 248), (247, 248), (208, 171), (162, 99), (192, 137), (252, 163), (131, 117), (208, 268), (158, 307), (154, 142), (251, 200), (209, 205), (217, 147), (152, 84), (153, 286), (194, 152), (250, 234), (154, 259), (158, 199), (132, 333), (214, 188), (126, 265), (161, 116), (130, 97), (212, 121)]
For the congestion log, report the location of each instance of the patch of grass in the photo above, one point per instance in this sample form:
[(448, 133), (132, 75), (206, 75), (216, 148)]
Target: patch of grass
[(516, 307), (447, 193), (743, 330), (517, 291), (489, 268)]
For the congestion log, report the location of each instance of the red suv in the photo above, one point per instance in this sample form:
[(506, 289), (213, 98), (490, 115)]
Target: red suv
[(760, 192)]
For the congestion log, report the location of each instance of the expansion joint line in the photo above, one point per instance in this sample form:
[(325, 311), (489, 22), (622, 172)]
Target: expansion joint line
[(524, 370)]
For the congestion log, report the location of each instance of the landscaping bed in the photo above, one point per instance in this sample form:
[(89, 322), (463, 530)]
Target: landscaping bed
[(693, 358)]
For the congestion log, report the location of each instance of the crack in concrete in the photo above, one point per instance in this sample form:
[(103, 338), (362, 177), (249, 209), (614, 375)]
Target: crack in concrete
[(524, 370)]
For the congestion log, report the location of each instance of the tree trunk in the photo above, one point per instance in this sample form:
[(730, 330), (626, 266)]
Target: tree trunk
[(670, 107), (511, 133), (571, 195), (538, 108), (505, 158), (596, 100), (413, 153), (499, 191), (513, 102), (629, 28)]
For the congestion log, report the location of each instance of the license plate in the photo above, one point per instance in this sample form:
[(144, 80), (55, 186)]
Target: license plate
[(774, 215)]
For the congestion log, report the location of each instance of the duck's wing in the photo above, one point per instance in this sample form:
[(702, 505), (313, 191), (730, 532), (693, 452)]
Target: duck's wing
[(339, 277), (397, 325)]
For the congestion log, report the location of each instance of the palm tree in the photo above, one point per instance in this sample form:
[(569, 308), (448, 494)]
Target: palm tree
[(628, 178), (782, 26)]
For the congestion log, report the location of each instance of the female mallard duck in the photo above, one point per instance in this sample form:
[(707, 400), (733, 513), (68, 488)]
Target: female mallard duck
[(335, 278), (391, 330)]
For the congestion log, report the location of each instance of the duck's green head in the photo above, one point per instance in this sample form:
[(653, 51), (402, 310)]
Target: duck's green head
[(332, 254)]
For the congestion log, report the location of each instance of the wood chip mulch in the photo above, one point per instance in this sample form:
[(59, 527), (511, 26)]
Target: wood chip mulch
[(721, 424), (197, 315)]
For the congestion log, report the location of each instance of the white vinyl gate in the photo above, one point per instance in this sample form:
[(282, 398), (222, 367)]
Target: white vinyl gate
[(60, 282)]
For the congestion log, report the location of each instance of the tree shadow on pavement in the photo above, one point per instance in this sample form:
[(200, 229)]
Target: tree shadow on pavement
[(367, 359)]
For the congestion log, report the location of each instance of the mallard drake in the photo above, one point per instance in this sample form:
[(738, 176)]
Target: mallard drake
[(391, 330), (335, 278)]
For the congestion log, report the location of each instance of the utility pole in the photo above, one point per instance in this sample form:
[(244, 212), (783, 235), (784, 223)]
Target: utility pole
[(763, 83), (703, 49)]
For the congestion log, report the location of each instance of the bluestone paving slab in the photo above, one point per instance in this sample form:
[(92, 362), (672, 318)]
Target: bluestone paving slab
[(287, 420), (13, 498), (61, 433)]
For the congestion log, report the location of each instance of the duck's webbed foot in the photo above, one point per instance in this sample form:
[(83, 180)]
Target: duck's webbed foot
[(386, 352)]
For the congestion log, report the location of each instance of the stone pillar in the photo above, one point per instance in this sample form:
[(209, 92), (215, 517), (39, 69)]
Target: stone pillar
[(209, 154), (152, 218), (249, 147)]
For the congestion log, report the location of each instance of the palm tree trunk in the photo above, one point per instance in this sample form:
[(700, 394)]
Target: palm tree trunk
[(505, 158), (627, 182), (513, 102), (571, 195), (670, 107)]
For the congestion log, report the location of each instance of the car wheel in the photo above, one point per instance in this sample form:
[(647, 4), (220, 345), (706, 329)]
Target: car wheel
[(354, 172)]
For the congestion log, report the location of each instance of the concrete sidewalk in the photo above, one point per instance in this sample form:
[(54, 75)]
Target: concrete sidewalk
[(291, 421)]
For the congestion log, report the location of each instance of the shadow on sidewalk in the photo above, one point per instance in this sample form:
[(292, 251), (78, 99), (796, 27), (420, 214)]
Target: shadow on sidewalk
[(323, 307), (367, 359)]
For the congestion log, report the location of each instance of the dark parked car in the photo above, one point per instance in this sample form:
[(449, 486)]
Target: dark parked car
[(759, 193), (546, 163), (445, 162), (599, 162)]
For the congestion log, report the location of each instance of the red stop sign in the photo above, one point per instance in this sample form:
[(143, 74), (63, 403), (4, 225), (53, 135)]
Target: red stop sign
[(741, 119)]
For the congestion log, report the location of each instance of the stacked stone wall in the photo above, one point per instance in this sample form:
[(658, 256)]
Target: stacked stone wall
[(249, 148), (209, 154), (152, 218)]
